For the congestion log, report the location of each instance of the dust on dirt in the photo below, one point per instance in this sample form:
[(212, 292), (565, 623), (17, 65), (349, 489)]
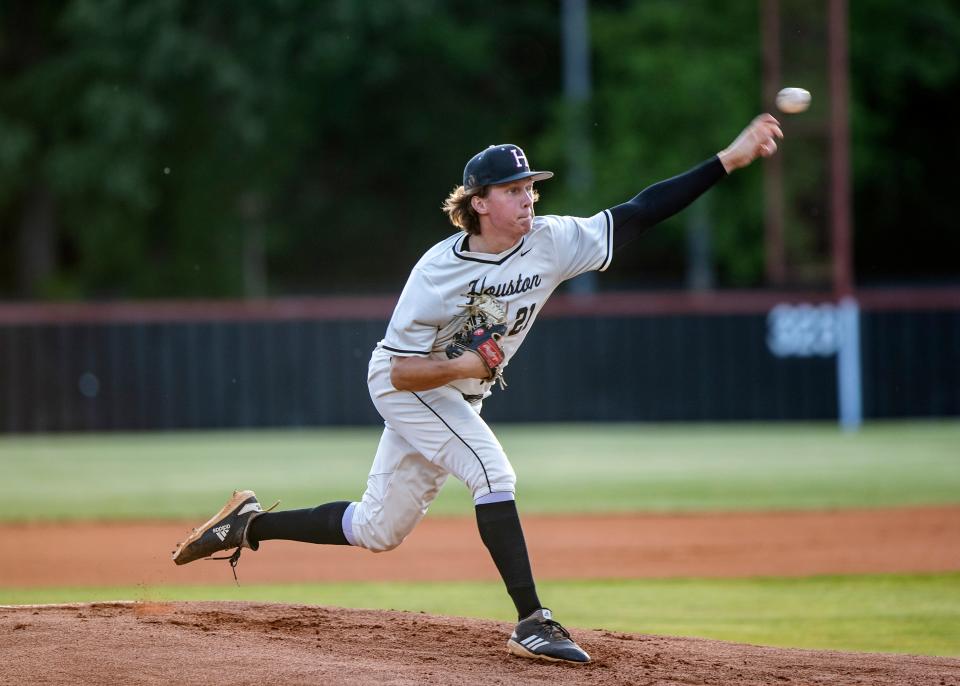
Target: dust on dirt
[(250, 643)]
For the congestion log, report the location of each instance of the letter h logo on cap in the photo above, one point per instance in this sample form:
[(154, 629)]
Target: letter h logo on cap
[(499, 164)]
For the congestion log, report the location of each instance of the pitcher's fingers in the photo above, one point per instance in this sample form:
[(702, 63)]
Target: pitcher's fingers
[(767, 118)]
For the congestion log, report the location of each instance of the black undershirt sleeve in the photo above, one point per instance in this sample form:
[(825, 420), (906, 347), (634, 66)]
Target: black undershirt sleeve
[(662, 200)]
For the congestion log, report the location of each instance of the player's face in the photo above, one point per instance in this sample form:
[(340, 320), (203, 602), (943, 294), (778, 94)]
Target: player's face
[(510, 208)]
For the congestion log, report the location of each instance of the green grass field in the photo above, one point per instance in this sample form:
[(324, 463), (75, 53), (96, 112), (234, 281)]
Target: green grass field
[(569, 468), (562, 468)]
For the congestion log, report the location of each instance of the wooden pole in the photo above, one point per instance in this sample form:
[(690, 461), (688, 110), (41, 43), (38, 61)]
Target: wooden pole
[(840, 205), (774, 251)]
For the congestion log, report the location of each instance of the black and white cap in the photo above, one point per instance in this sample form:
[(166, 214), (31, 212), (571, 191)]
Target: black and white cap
[(499, 164)]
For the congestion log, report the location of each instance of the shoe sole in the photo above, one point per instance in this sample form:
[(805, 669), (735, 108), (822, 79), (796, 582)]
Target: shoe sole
[(232, 504), (515, 648)]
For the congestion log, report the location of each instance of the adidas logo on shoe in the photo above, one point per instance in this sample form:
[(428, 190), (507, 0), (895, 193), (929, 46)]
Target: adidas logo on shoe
[(541, 637), (229, 530), (533, 642)]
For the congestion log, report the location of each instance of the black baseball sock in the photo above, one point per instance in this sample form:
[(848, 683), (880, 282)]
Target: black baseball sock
[(321, 524), (500, 531)]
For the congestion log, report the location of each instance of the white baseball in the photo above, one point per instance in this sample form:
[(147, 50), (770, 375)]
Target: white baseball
[(793, 100)]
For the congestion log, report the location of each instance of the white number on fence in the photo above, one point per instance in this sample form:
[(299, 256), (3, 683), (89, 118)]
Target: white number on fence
[(803, 330)]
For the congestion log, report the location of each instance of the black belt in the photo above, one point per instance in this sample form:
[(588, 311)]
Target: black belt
[(472, 398)]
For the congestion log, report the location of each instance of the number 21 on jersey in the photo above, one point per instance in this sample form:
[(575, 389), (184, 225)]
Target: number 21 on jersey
[(524, 315)]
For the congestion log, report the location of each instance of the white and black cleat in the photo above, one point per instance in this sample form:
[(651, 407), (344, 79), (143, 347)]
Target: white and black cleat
[(540, 638), (225, 530)]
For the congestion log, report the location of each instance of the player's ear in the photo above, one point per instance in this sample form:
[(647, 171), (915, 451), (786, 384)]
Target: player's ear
[(479, 204)]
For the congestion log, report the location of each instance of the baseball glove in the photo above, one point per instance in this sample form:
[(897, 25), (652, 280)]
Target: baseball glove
[(479, 329)]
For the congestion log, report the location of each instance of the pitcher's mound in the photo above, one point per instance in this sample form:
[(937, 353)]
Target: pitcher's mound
[(253, 643)]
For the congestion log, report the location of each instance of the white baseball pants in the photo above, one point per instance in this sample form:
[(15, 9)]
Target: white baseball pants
[(427, 436)]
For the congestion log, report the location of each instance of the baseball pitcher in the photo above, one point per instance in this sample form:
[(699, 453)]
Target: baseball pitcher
[(466, 309)]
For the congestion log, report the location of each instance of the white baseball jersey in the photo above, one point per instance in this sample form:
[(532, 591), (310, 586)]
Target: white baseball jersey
[(429, 435), (523, 277)]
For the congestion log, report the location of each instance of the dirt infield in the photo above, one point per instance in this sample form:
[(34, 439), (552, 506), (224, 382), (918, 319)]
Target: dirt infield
[(449, 549), (247, 643), (240, 643)]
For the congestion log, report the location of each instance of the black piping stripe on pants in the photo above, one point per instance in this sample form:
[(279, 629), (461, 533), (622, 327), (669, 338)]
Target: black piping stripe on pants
[(482, 466)]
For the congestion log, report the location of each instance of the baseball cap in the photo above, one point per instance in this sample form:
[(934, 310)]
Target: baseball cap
[(499, 164)]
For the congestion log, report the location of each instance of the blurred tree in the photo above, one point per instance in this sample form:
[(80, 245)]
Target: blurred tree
[(144, 128), (411, 91), (905, 75), (675, 81), (28, 216), (169, 148), (177, 148)]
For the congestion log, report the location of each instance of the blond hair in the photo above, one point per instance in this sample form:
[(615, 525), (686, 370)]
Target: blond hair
[(459, 208)]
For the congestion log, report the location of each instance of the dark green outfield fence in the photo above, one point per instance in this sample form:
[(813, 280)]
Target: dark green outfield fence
[(610, 358)]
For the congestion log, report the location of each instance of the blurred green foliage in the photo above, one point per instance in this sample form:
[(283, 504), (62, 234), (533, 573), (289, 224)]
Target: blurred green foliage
[(907, 99), (167, 148)]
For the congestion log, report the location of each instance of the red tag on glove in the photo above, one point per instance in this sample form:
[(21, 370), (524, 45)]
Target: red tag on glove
[(491, 353)]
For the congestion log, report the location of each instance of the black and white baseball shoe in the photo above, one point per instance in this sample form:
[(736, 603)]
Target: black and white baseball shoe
[(225, 530), (541, 638)]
